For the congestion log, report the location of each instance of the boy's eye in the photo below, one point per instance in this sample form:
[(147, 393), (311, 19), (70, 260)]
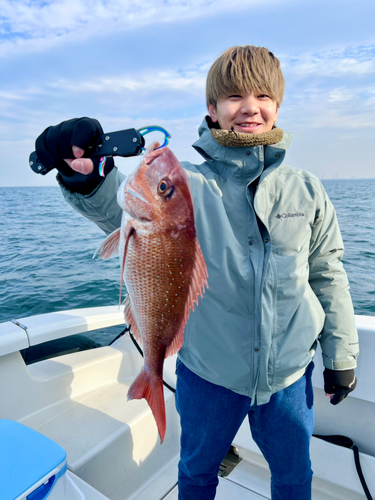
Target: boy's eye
[(234, 96), (263, 96)]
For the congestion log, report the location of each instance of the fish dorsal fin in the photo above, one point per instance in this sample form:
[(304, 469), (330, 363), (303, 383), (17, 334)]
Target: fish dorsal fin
[(109, 246), (197, 287)]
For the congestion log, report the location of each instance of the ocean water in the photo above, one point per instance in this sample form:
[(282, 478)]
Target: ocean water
[(46, 251)]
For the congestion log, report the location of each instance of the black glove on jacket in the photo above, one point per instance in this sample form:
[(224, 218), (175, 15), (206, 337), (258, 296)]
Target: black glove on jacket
[(339, 383), (55, 144)]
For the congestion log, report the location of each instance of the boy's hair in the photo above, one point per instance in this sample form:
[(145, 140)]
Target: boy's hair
[(245, 68)]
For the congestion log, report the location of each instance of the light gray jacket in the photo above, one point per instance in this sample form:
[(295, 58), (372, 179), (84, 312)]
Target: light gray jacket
[(276, 281)]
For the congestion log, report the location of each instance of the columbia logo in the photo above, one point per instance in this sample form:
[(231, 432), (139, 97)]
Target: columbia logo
[(286, 216)]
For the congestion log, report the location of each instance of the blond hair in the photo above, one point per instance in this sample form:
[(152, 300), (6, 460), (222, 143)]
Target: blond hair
[(245, 68)]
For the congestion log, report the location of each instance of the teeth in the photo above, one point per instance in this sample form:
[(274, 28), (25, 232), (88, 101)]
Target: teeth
[(248, 124)]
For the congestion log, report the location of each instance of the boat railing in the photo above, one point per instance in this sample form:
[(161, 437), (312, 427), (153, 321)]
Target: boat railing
[(34, 330)]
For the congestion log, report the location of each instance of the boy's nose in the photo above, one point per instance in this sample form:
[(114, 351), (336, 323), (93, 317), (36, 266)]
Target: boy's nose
[(249, 105)]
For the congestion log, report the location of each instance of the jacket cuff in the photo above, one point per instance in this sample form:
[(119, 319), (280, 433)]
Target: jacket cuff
[(347, 364)]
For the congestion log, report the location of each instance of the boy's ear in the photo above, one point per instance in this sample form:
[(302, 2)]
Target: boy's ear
[(212, 112)]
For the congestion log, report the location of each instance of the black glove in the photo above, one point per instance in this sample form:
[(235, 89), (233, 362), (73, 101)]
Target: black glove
[(339, 383), (55, 144)]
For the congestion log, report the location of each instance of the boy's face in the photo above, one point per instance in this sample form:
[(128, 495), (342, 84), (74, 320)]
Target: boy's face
[(250, 113)]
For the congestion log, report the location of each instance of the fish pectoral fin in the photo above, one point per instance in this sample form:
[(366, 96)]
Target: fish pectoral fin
[(129, 230), (197, 286), (129, 319), (110, 246)]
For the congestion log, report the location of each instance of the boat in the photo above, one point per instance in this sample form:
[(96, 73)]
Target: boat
[(78, 400)]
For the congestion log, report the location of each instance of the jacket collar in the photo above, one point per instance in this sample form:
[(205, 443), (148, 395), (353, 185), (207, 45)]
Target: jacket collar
[(236, 162)]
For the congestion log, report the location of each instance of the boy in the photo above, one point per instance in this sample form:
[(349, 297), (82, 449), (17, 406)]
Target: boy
[(273, 251)]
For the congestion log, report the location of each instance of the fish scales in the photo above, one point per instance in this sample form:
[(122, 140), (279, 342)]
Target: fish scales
[(158, 283), (162, 264)]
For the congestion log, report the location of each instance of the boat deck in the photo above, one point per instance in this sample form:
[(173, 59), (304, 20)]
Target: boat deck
[(250, 480), (79, 400)]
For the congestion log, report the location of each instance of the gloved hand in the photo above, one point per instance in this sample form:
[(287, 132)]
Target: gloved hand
[(67, 146), (339, 384)]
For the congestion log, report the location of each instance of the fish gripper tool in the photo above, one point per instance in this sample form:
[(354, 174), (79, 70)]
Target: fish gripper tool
[(125, 143)]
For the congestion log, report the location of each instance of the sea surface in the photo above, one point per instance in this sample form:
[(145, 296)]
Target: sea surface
[(46, 251)]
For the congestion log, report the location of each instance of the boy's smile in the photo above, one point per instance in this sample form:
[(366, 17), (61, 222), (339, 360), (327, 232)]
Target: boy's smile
[(249, 113)]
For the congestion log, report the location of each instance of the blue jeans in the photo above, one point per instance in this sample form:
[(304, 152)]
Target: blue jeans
[(210, 418)]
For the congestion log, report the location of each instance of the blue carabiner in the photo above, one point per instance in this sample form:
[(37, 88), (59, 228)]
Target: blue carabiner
[(155, 128)]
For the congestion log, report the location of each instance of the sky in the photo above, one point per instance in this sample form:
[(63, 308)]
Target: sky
[(133, 63)]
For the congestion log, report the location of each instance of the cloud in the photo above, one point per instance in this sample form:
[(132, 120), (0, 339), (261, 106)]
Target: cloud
[(190, 80), (341, 108), (171, 93), (121, 62), (30, 26), (340, 94), (35, 19), (357, 61), (331, 89)]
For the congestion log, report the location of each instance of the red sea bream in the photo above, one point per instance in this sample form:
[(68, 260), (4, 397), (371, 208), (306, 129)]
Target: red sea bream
[(162, 264)]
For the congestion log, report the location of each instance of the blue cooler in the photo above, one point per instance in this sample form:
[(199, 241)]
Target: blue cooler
[(32, 466)]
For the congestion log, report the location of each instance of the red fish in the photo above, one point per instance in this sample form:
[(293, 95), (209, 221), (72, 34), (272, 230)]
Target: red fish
[(162, 264)]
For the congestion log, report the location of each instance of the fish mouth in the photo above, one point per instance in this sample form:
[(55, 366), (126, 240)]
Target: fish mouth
[(151, 157)]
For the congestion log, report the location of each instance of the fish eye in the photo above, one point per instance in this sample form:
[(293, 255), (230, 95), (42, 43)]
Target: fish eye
[(165, 188)]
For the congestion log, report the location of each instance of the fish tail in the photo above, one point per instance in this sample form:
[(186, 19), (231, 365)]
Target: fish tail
[(150, 387)]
